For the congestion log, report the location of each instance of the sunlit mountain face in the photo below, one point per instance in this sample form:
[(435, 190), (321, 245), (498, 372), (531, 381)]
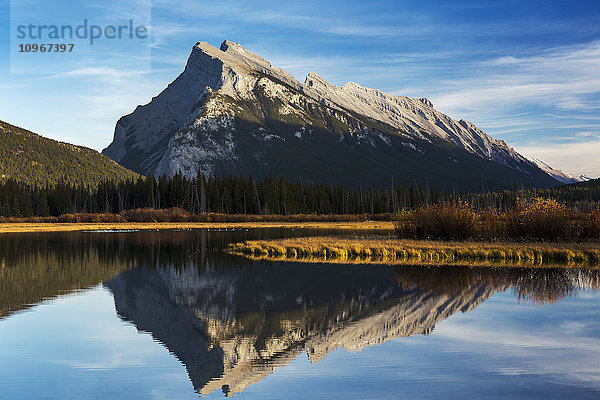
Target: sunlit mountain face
[(232, 112)]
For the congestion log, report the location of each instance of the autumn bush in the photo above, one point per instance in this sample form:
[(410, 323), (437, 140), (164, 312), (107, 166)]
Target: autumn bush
[(153, 215), (180, 215), (491, 225), (536, 220), (445, 221), (540, 219), (90, 218), (590, 226), (36, 220)]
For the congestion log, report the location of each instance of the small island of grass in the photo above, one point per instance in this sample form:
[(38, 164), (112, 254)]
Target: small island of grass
[(420, 252)]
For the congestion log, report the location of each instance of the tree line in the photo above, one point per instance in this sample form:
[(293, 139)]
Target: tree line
[(226, 195), (246, 195)]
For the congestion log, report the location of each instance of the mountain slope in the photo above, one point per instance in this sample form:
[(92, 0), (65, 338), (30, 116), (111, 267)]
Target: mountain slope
[(558, 174), (231, 111), (590, 184), (30, 158)]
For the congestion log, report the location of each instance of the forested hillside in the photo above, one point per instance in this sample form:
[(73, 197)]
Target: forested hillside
[(35, 160)]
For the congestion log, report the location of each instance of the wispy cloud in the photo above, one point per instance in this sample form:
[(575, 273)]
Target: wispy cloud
[(291, 16), (562, 77), (98, 72)]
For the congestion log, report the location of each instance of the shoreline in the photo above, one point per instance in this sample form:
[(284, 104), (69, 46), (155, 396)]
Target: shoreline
[(18, 227)]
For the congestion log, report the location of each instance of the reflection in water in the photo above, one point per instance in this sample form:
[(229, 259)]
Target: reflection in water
[(535, 285), (36, 267), (231, 321), (39, 266), (231, 327)]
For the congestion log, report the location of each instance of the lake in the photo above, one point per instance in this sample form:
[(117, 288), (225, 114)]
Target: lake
[(169, 315)]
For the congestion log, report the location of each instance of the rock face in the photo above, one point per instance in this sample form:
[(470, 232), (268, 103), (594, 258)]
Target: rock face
[(232, 112)]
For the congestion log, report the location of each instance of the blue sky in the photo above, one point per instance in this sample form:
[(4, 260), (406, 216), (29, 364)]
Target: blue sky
[(524, 71)]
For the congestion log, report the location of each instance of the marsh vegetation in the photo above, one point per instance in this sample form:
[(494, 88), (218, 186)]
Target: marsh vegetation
[(535, 220)]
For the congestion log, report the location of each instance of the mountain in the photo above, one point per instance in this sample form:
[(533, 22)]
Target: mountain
[(558, 174), (30, 158), (232, 112)]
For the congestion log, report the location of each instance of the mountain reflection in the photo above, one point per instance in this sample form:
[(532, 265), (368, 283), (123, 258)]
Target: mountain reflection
[(35, 267), (39, 266), (232, 324), (232, 321)]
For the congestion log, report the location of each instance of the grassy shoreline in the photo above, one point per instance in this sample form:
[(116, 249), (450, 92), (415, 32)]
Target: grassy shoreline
[(85, 226), (402, 252)]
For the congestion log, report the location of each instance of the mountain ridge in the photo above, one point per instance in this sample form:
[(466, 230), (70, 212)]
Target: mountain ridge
[(232, 112), (558, 174)]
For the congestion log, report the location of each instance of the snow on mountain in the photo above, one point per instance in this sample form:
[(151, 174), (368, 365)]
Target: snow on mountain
[(231, 111), (558, 174)]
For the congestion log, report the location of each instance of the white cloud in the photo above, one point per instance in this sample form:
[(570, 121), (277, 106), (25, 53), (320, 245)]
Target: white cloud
[(293, 16), (568, 357), (577, 157)]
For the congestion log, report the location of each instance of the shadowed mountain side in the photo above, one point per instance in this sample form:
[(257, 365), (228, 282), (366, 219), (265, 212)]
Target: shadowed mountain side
[(232, 327)]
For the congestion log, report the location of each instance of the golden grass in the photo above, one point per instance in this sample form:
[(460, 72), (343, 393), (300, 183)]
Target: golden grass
[(67, 227), (399, 251)]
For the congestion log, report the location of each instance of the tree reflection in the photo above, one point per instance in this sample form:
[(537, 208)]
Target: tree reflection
[(533, 285)]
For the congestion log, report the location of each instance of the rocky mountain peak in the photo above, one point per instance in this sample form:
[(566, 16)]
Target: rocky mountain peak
[(314, 79), (227, 44), (426, 101), (242, 56), (232, 111)]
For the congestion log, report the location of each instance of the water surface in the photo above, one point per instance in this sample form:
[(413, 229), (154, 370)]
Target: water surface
[(169, 315)]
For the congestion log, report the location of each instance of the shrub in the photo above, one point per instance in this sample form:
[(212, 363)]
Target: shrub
[(446, 221), (590, 226), (491, 225), (152, 215), (540, 219), (89, 218)]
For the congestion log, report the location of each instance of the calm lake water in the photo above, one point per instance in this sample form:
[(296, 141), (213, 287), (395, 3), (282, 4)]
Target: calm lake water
[(168, 315)]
